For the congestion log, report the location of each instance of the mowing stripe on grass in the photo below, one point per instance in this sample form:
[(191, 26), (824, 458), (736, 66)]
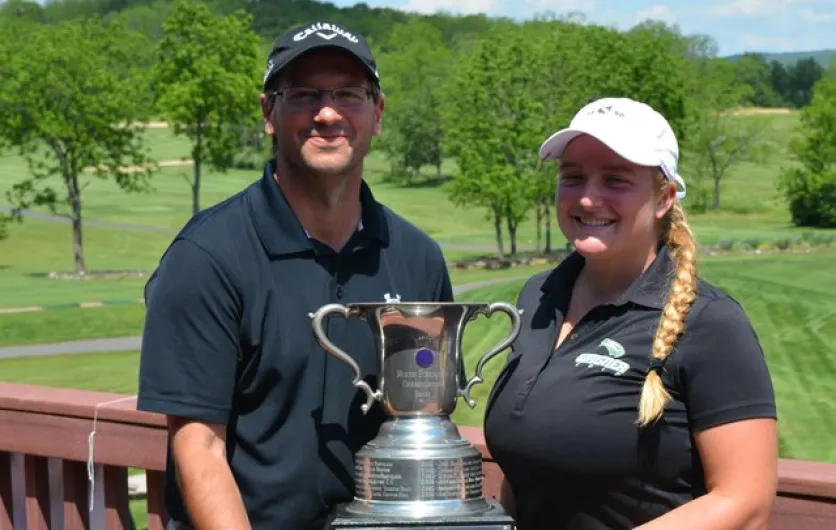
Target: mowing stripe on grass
[(79, 305)]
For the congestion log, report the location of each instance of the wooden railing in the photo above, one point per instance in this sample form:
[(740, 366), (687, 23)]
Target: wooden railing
[(45, 480)]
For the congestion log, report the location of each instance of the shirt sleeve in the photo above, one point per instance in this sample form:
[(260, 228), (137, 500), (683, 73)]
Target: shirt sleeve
[(723, 371), (443, 290), (190, 342)]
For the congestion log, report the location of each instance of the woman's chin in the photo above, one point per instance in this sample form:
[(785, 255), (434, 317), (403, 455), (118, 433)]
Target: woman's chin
[(590, 247)]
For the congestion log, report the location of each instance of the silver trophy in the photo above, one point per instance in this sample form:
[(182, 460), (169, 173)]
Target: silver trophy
[(418, 468)]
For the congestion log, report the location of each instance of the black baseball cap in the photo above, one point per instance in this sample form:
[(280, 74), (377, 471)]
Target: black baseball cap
[(296, 41)]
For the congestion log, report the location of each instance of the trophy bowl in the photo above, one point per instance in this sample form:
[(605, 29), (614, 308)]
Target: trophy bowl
[(418, 466)]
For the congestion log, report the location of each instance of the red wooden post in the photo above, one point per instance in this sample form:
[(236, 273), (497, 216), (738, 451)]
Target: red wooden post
[(37, 493)]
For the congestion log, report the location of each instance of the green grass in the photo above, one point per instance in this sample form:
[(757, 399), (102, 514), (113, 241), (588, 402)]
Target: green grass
[(72, 324), (127, 319), (139, 513), (792, 303), (103, 372), (790, 298), (36, 248), (163, 144), (465, 276), (479, 337)]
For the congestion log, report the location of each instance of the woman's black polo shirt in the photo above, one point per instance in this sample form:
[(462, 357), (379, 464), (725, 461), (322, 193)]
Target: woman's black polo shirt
[(228, 339), (562, 425)]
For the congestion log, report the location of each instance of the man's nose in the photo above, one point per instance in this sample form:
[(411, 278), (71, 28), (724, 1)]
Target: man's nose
[(327, 113)]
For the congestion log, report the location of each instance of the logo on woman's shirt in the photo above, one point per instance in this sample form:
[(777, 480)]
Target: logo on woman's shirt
[(609, 362)]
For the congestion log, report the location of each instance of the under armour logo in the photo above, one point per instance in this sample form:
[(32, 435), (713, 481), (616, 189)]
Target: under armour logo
[(392, 300)]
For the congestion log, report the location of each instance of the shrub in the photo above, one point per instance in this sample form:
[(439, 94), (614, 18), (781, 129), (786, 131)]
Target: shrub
[(811, 196), (810, 189), (783, 243), (822, 239)]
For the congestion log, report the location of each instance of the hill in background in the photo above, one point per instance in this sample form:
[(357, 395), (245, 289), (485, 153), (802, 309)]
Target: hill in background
[(823, 57), (776, 79), (270, 18)]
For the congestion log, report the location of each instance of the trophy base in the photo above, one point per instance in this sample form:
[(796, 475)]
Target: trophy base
[(418, 468), (494, 518)]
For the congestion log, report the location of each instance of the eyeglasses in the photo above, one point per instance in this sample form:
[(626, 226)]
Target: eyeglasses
[(309, 98)]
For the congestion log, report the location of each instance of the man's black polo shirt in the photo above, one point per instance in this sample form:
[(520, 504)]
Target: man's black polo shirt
[(562, 424), (228, 340)]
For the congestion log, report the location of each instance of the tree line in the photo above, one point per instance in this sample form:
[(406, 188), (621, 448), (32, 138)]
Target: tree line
[(78, 88), (774, 84)]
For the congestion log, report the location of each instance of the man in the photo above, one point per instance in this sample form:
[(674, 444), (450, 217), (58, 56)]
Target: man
[(263, 423)]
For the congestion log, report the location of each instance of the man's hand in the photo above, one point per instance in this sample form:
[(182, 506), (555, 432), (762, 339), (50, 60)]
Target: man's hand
[(206, 482)]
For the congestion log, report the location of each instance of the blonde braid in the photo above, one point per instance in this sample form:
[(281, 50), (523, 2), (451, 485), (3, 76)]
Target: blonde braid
[(677, 235)]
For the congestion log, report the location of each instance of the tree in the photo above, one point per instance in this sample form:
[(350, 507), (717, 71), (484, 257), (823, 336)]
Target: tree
[(803, 75), (811, 188), (22, 10), (753, 70), (415, 63), (206, 84), (69, 106), (655, 58), (567, 77), (718, 138), (780, 81), (492, 130)]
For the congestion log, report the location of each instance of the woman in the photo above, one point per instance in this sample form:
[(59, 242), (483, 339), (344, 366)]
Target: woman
[(636, 395)]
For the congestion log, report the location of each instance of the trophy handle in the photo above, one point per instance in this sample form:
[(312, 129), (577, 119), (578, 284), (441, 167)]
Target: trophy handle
[(317, 319), (514, 314)]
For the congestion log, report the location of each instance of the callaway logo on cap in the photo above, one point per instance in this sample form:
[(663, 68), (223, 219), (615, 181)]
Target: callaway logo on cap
[(634, 130), (299, 40), (325, 31)]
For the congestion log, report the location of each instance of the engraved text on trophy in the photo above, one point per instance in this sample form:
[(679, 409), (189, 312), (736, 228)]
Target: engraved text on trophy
[(438, 479)]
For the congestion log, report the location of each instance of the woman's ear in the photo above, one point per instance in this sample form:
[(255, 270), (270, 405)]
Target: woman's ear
[(665, 200)]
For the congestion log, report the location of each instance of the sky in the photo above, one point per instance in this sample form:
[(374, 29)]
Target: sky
[(736, 25)]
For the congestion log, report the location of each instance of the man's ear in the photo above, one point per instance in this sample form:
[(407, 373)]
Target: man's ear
[(266, 111), (378, 115)]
